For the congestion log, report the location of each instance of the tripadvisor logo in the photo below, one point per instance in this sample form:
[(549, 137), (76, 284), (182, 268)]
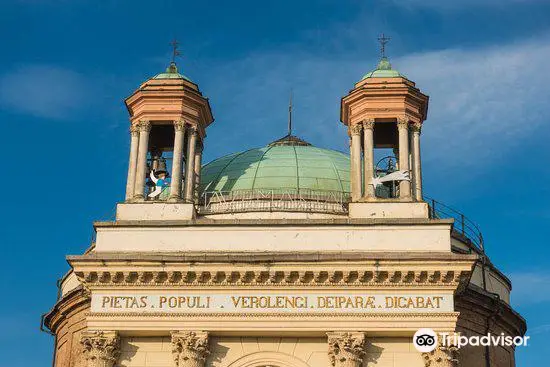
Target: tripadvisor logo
[(426, 340)]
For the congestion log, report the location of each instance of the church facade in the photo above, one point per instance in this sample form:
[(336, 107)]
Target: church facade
[(287, 255)]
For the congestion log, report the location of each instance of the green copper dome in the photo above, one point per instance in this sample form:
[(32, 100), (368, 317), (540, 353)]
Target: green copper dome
[(289, 164), (171, 73), (383, 70)]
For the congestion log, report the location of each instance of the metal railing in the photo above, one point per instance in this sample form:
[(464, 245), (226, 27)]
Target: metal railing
[(465, 228), (273, 200)]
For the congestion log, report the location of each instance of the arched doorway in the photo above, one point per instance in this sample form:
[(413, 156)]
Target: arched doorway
[(268, 359)]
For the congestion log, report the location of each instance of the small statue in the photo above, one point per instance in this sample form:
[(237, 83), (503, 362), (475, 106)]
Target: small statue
[(161, 181)]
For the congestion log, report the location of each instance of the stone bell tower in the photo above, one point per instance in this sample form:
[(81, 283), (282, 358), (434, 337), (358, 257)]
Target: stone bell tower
[(168, 116), (385, 110)]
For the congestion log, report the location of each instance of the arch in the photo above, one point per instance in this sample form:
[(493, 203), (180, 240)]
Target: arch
[(268, 359)]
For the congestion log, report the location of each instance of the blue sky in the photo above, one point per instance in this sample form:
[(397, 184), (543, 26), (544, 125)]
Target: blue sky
[(67, 65)]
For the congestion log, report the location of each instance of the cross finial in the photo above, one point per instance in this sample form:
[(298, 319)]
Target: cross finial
[(175, 51), (290, 114), (383, 41)]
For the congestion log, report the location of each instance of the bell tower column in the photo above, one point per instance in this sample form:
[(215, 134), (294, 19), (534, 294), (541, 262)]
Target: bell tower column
[(177, 162), (417, 168), (144, 129), (198, 166), (403, 130), (355, 132), (132, 165), (190, 168), (368, 156)]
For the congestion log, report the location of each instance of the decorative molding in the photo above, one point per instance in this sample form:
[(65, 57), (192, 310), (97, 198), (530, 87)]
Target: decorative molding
[(101, 348), (179, 125), (190, 348), (441, 357), (346, 349), (368, 124), (421, 316), (144, 125), (356, 129), (416, 127), (349, 278)]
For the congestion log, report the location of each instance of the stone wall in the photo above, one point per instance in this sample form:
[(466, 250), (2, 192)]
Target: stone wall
[(68, 323), (287, 351)]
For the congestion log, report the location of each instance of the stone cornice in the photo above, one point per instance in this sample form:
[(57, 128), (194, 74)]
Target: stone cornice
[(444, 276), (275, 222), (359, 257), (72, 302)]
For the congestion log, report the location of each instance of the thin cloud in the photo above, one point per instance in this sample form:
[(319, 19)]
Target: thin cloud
[(448, 5), (530, 288), (482, 101), (43, 91)]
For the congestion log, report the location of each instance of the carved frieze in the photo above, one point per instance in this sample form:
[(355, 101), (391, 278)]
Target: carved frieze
[(190, 348), (346, 349), (442, 356), (386, 278), (101, 348)]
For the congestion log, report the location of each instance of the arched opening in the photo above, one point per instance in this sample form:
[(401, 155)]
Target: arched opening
[(268, 359)]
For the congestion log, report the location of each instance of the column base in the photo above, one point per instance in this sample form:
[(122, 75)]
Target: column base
[(155, 211)]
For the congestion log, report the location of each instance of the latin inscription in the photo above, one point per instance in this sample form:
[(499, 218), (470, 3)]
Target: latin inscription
[(270, 303)]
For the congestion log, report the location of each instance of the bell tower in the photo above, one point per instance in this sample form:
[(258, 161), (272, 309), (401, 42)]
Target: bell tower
[(168, 121), (385, 111)]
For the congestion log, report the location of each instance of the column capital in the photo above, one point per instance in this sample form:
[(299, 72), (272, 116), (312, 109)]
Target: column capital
[(346, 349), (190, 348), (402, 122), (179, 125), (416, 127), (192, 129), (144, 125), (101, 348), (134, 129), (368, 123), (355, 129), (442, 356)]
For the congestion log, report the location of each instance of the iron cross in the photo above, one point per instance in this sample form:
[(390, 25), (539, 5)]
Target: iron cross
[(175, 51), (383, 40)]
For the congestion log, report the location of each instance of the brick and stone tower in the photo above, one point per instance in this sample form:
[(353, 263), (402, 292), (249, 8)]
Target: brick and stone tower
[(168, 116), (385, 110)]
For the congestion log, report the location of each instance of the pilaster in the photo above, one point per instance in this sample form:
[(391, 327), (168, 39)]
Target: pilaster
[(190, 348), (346, 349), (403, 131), (368, 154), (442, 356), (355, 153), (101, 348), (177, 161), (416, 161), (144, 129)]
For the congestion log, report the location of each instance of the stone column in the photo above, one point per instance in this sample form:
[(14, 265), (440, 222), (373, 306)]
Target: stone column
[(190, 167), (177, 161), (190, 348), (441, 357), (368, 156), (417, 167), (346, 349), (198, 166), (355, 153), (132, 162), (141, 171), (101, 348), (403, 129)]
